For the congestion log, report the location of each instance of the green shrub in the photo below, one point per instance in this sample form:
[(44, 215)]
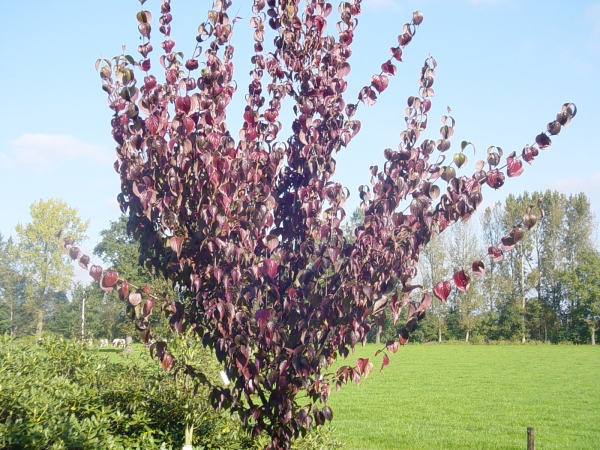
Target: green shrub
[(64, 395)]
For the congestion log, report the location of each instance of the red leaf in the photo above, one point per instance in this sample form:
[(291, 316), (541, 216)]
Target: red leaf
[(175, 243), (478, 268), (183, 104), (380, 82), (149, 84), (188, 124), (514, 167), (124, 290), (96, 272), (368, 96), (327, 413), (396, 53), (135, 298), (495, 178), (386, 361), (272, 242), (148, 306), (270, 267), (529, 153), (543, 141), (74, 253), (271, 115), (262, 315), (152, 123), (392, 346), (442, 290), (110, 278), (495, 253), (403, 336), (461, 280), (167, 361), (425, 302), (508, 243), (361, 363), (167, 45), (417, 17), (389, 68), (84, 261), (191, 64)]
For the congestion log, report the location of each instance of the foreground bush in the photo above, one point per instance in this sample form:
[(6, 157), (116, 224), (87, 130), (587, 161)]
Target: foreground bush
[(63, 395)]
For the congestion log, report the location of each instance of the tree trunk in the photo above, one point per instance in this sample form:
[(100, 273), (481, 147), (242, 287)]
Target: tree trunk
[(40, 324), (11, 318), (82, 320), (439, 334), (593, 331), (378, 335), (467, 337)]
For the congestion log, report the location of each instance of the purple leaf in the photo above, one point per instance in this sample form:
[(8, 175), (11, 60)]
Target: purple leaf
[(461, 280), (135, 297), (478, 268), (175, 243), (529, 153), (495, 253), (380, 82), (442, 290), (96, 272), (84, 261), (385, 362), (262, 316), (514, 166)]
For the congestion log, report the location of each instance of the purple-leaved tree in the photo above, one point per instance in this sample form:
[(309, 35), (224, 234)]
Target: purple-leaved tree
[(247, 224)]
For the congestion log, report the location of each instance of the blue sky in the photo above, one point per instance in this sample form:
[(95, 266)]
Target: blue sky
[(505, 67)]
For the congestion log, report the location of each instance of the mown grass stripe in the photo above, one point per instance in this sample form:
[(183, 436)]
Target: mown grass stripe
[(478, 397)]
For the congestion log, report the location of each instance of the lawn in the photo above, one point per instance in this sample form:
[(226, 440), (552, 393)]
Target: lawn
[(473, 397), (140, 353)]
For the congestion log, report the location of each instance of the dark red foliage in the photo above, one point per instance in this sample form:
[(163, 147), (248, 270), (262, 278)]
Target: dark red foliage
[(247, 223), (442, 290), (495, 254), (478, 268), (462, 281)]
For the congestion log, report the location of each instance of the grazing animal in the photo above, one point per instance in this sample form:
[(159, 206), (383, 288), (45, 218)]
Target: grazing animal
[(118, 343), (103, 343)]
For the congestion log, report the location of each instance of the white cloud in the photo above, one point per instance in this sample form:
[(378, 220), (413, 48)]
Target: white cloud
[(43, 151), (588, 185)]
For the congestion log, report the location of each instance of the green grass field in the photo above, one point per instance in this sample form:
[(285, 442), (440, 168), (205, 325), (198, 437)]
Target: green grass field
[(473, 397)]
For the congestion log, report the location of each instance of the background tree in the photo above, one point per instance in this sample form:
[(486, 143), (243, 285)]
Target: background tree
[(12, 287), (41, 259), (463, 249), (121, 252), (582, 287), (435, 265)]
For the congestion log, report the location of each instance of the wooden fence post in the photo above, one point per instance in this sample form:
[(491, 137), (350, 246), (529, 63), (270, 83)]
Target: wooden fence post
[(530, 438)]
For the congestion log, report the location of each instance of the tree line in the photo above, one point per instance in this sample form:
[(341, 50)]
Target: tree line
[(37, 292), (547, 289)]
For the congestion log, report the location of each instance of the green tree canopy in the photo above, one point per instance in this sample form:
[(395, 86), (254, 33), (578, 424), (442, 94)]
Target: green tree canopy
[(41, 259)]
